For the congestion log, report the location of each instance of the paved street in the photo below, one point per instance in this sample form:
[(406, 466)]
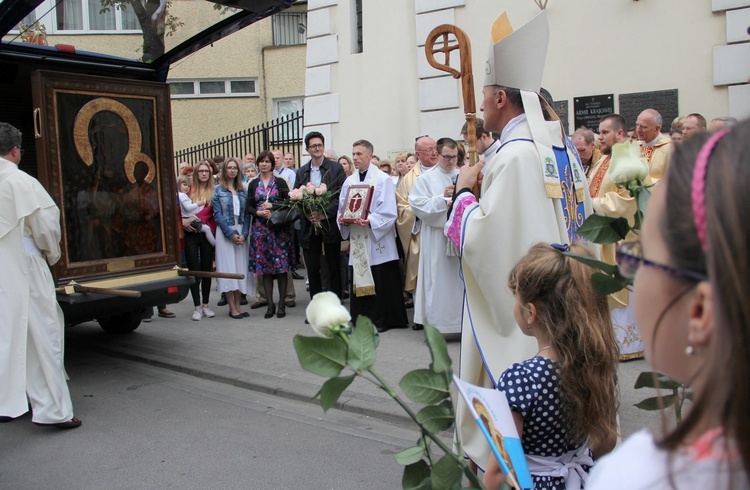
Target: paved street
[(146, 427), (257, 354), (187, 400)]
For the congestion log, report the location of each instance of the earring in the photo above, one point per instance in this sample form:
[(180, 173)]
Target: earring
[(689, 350)]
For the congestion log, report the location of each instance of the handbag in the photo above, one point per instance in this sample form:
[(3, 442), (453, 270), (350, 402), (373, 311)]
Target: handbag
[(281, 218)]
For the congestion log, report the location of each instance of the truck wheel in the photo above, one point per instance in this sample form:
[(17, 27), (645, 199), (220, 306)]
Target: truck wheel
[(122, 323)]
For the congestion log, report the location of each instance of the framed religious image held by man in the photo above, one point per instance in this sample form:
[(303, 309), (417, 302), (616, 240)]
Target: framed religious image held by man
[(357, 203)]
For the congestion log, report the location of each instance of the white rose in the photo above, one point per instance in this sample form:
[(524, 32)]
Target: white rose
[(626, 163), (325, 312)]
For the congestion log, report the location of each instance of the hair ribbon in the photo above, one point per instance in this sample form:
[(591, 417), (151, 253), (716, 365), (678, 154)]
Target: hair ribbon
[(698, 192)]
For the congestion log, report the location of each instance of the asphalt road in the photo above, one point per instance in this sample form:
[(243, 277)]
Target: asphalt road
[(223, 403), (146, 427)]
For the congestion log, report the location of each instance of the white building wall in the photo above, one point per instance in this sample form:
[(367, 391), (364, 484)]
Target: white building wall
[(388, 94)]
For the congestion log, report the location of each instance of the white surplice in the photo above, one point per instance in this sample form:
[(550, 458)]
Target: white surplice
[(31, 322), (438, 298)]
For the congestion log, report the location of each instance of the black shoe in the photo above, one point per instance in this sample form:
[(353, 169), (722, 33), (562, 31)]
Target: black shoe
[(290, 303), (383, 329), (345, 295), (236, 317), (417, 326), (70, 424), (222, 301), (258, 304), (282, 310), (270, 311), (307, 322), (5, 419), (296, 275), (243, 299), (409, 303)]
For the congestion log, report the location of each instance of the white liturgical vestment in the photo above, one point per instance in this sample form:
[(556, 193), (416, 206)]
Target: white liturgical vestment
[(438, 298), (31, 322), (512, 214)]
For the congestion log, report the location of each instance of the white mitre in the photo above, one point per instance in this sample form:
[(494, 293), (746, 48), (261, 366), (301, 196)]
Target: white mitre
[(516, 60)]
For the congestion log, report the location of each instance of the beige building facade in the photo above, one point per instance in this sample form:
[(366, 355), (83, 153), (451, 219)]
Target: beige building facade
[(248, 59), (244, 80), (383, 89)]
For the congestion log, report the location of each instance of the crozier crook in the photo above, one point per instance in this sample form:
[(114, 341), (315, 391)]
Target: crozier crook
[(439, 41)]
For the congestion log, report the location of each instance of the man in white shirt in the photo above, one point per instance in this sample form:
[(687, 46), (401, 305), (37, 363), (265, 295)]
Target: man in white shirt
[(281, 169)]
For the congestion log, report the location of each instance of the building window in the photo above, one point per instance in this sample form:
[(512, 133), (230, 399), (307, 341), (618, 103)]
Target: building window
[(78, 16), (182, 89), (88, 15), (289, 28), (290, 109), (356, 23)]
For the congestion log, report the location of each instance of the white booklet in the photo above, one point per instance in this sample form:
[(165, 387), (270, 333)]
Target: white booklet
[(492, 413)]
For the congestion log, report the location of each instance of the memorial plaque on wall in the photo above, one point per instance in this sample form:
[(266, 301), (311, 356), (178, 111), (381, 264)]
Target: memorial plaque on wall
[(561, 109), (664, 101), (590, 109)]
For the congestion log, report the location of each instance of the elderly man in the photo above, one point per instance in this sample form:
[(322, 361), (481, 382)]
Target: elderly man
[(249, 158), (375, 287), (585, 142), (31, 322), (438, 298), (533, 190), (408, 227), (655, 146), (693, 124)]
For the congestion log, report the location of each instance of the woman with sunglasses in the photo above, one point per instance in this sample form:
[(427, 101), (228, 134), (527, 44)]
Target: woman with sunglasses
[(692, 277)]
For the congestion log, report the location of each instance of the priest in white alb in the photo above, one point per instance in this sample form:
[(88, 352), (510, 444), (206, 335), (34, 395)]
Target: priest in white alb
[(533, 190), (376, 279), (438, 298), (31, 322)]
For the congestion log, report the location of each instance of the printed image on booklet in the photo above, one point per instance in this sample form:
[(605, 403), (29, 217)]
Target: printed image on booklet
[(492, 413)]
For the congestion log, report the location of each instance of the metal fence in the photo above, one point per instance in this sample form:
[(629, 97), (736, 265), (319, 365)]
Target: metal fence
[(284, 133)]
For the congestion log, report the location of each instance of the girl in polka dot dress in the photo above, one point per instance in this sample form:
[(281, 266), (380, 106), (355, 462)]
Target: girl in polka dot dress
[(564, 399)]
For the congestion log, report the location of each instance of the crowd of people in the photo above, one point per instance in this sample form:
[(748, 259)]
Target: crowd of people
[(429, 242), (480, 252)]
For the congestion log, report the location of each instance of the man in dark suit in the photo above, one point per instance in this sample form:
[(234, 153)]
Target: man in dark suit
[(321, 170)]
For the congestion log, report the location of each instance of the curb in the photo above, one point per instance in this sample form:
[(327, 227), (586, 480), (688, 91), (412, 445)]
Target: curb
[(258, 382)]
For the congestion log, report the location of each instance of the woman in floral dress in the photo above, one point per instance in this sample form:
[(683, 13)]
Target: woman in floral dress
[(271, 250)]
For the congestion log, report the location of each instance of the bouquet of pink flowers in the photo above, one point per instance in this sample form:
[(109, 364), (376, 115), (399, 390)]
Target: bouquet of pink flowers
[(311, 202)]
